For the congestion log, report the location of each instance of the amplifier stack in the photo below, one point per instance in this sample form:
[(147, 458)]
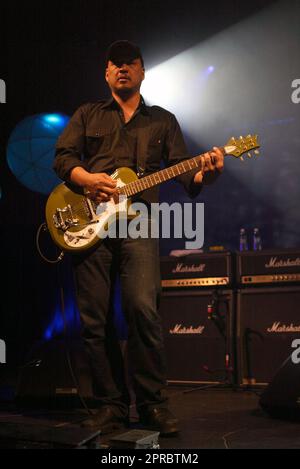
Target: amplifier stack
[(230, 318), (267, 312), (197, 314)]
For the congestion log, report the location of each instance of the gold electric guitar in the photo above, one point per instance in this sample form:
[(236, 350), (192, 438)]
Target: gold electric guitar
[(77, 223)]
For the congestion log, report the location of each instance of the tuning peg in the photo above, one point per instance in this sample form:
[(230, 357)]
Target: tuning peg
[(249, 155), (241, 158), (256, 152)]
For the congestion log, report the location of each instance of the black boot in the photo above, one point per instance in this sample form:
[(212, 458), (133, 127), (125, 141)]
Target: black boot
[(107, 419), (161, 420)]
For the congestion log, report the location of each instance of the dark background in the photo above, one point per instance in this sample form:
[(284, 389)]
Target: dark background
[(52, 59)]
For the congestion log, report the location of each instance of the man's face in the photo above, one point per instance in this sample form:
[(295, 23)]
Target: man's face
[(125, 77)]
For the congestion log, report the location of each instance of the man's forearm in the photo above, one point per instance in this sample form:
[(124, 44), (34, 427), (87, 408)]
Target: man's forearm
[(80, 176)]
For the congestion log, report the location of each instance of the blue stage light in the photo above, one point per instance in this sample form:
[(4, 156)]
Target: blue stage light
[(69, 320), (58, 119), (31, 149)]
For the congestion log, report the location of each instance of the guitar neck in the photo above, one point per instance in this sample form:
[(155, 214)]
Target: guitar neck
[(161, 176)]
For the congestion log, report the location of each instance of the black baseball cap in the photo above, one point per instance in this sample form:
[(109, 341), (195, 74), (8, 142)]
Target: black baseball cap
[(120, 52)]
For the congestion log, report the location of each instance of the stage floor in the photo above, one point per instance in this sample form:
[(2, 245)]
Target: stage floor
[(210, 418)]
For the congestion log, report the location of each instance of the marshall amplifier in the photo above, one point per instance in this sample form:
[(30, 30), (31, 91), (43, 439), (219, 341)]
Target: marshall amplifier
[(197, 327), (268, 322), (268, 267), (202, 270)]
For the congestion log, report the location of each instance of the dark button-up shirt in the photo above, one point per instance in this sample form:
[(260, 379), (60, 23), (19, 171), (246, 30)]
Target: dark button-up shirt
[(98, 139)]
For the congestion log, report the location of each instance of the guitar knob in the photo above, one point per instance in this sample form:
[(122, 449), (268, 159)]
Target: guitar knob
[(90, 231)]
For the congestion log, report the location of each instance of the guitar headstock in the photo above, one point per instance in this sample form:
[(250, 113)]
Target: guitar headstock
[(238, 146)]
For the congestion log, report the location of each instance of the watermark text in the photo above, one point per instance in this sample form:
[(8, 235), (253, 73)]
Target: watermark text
[(2, 351), (296, 353), (183, 221), (2, 91), (295, 96)]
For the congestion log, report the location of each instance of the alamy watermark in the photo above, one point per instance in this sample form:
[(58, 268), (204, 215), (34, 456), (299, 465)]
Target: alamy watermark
[(296, 353), (2, 351), (141, 221), (295, 96), (2, 91)]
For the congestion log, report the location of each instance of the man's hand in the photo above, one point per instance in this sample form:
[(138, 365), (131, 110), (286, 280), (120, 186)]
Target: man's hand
[(213, 162), (100, 187)]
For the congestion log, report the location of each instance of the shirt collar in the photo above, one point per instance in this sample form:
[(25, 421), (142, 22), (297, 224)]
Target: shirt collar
[(112, 103)]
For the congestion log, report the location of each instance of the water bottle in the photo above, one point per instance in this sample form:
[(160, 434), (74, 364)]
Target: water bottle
[(243, 240), (257, 245)]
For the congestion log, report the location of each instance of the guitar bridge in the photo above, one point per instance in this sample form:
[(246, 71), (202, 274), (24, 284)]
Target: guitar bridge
[(64, 218)]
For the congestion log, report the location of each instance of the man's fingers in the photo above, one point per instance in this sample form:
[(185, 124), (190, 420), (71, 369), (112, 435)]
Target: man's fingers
[(98, 196), (208, 165), (220, 165), (219, 158), (198, 178), (109, 191), (105, 188), (108, 181), (213, 160), (101, 197), (210, 162)]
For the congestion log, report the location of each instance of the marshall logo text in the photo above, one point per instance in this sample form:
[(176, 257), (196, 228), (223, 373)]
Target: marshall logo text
[(275, 263), (180, 329), (279, 328), (181, 268)]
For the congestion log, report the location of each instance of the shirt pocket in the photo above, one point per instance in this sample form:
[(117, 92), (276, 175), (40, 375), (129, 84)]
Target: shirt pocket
[(155, 148), (97, 142)]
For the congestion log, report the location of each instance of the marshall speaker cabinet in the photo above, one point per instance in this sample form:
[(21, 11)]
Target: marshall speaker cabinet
[(268, 312), (197, 317), (268, 321), (197, 327)]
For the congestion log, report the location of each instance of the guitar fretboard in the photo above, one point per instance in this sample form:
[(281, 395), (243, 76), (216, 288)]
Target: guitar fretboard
[(161, 176)]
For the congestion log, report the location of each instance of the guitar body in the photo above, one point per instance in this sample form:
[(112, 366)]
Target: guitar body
[(75, 222)]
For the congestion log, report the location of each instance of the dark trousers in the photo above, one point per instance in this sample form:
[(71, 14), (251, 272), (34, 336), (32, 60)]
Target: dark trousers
[(137, 261)]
